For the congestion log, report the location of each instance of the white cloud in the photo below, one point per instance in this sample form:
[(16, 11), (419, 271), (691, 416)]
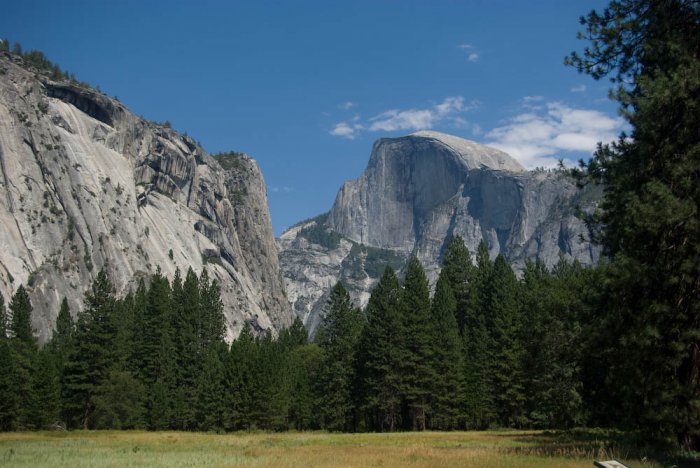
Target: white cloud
[(284, 189), (411, 119), (579, 89), (347, 105), (448, 110), (470, 50), (343, 130), (538, 138)]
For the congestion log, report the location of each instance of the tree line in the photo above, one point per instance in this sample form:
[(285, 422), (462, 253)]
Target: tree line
[(487, 350)]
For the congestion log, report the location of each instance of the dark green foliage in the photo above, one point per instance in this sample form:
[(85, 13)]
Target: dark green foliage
[(21, 317), (62, 339), (319, 234), (447, 359), (186, 318), (381, 351), (552, 313), (3, 319), (210, 401), (230, 160), (343, 325), (377, 260), (90, 358), (458, 270), (212, 328), (119, 402), (240, 377), (650, 221), (9, 398), (44, 403), (476, 343), (506, 351), (23, 350), (294, 336), (417, 372), (305, 364)]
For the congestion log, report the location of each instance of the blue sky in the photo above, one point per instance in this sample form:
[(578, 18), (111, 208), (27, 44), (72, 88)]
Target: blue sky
[(305, 87)]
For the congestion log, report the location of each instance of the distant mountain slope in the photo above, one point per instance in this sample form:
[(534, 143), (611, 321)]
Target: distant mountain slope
[(87, 185), (416, 192)]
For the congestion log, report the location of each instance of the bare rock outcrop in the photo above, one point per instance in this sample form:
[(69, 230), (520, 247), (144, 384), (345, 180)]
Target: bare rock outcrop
[(87, 185), (417, 192)]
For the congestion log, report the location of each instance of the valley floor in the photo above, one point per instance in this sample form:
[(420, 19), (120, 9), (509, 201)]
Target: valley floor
[(307, 449)]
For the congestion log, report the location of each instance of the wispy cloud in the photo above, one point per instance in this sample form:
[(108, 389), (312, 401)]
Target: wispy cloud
[(539, 137), (347, 105), (470, 50), (283, 189), (343, 130), (448, 110), (579, 89)]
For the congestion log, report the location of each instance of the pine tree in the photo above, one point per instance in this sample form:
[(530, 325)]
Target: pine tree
[(382, 345), (552, 338), (239, 377), (62, 339), (459, 272), (305, 363), (91, 356), (9, 397), (479, 408), (650, 220), (417, 373), (186, 316), (45, 396), (343, 325), (294, 336), (212, 309), (120, 402), (447, 387), (506, 351), (210, 390), (270, 384), (24, 348), (21, 317), (3, 319)]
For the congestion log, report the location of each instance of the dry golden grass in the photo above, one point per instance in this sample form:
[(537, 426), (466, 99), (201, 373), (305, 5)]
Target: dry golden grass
[(305, 449)]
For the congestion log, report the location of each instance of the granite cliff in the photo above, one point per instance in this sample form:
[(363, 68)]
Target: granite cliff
[(416, 192), (88, 185)]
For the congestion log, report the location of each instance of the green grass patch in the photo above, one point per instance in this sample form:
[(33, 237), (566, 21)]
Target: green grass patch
[(310, 449)]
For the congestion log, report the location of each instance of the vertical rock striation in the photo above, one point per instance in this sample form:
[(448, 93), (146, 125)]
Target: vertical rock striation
[(417, 192), (87, 185)]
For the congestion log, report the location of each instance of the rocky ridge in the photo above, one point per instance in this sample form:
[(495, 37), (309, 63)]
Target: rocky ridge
[(416, 192), (87, 185)]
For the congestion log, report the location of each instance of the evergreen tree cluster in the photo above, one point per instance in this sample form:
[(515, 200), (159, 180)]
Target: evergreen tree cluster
[(147, 360), (487, 350), (650, 215)]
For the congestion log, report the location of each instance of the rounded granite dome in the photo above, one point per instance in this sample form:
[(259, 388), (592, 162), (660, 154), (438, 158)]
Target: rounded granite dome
[(472, 154)]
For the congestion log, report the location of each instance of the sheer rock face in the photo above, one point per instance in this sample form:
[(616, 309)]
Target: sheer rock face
[(420, 190), (88, 185)]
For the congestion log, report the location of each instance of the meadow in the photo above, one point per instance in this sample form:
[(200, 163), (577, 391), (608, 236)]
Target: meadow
[(311, 449)]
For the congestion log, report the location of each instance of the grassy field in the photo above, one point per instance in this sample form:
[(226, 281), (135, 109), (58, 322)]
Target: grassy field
[(310, 449)]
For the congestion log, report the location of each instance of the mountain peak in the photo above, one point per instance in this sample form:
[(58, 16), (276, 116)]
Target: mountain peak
[(474, 155)]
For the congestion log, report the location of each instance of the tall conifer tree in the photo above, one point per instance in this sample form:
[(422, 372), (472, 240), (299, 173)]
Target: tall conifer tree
[(650, 213), (343, 326), (382, 345), (447, 388), (417, 367), (91, 356)]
